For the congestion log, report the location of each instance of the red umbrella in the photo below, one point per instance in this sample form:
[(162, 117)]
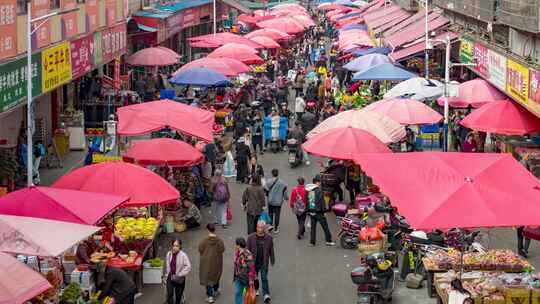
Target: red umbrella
[(285, 24), (141, 185), (272, 33), (344, 143), (502, 117), (60, 204), (334, 6), (405, 111), (219, 39), (239, 52), (154, 56), (225, 66), (163, 152), (267, 42), (441, 190), (251, 20), (475, 93), (346, 21), (305, 20), (142, 118)]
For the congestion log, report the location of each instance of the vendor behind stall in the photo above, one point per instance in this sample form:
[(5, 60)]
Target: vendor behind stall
[(192, 214), (85, 250), (116, 283)]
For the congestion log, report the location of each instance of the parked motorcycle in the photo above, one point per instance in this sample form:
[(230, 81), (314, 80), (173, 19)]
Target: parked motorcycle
[(350, 227), (295, 152), (375, 280)]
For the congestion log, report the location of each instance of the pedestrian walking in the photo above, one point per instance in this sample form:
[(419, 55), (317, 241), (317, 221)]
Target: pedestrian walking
[(299, 105), (316, 211), (277, 193), (255, 169), (219, 187), (261, 245), (211, 263), (177, 268), (298, 204), (257, 135), (210, 152), (244, 270), (243, 154), (254, 202)]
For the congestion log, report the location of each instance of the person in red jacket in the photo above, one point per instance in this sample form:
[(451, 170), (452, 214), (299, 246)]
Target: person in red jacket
[(298, 204)]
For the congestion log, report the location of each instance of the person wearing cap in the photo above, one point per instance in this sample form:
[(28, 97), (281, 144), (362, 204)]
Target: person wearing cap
[(316, 211)]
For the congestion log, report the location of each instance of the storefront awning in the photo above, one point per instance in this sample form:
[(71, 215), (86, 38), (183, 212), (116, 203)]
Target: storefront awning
[(374, 15), (396, 23), (415, 31), (237, 5), (418, 47), (372, 24), (182, 5), (404, 24)]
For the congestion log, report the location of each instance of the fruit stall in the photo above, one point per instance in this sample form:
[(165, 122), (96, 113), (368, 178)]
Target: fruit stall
[(496, 260)]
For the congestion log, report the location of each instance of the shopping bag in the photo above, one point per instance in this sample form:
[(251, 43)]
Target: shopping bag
[(265, 218), (250, 297), (229, 214)]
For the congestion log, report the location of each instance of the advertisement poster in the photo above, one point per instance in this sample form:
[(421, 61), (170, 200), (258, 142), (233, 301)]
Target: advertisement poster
[(69, 20), (110, 11), (466, 49), (8, 28), (42, 36), (517, 81), (481, 58), (92, 15), (56, 66), (113, 42), (534, 91), (82, 56), (13, 81), (98, 49), (497, 69)]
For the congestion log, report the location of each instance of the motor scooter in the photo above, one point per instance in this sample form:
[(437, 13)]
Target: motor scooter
[(375, 280), (295, 153), (350, 227)]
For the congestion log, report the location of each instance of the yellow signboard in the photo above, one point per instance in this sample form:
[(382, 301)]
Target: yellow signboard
[(101, 158), (517, 81), (466, 50), (56, 66)]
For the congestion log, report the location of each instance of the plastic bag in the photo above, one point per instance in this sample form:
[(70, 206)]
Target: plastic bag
[(229, 213), (370, 234), (265, 217), (250, 296)]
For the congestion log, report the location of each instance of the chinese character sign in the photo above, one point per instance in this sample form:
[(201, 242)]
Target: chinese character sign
[(69, 20), (113, 42), (497, 69), (56, 66), (517, 81), (466, 50), (13, 76), (42, 36), (534, 91), (92, 15), (82, 56), (8, 28), (481, 59)]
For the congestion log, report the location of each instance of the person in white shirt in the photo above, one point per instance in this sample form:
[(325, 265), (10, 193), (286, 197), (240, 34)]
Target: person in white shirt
[(299, 105)]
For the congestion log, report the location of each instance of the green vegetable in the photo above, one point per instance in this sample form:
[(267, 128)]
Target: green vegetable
[(72, 293), (155, 262)]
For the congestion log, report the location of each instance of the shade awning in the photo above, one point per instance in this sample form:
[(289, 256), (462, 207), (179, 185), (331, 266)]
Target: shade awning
[(415, 31), (394, 23), (419, 47), (388, 31), (387, 18), (379, 13)]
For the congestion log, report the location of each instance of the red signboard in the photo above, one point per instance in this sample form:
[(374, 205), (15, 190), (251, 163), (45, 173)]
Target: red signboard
[(174, 24), (113, 42), (82, 56), (92, 15), (69, 20), (481, 59), (534, 87), (42, 37), (206, 10), (8, 28), (110, 11), (191, 17)]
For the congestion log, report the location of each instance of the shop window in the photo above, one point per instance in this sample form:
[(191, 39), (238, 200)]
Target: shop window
[(55, 4), (21, 7)]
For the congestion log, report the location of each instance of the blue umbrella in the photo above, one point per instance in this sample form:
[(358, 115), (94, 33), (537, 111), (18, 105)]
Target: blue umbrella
[(353, 26), (366, 62), (200, 77), (378, 50), (385, 71), (344, 2)]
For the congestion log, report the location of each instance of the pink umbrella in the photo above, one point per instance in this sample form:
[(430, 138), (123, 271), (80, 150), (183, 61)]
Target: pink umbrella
[(381, 126), (351, 142), (272, 33), (502, 117), (285, 24), (163, 152), (346, 21), (239, 52), (267, 42), (305, 20), (225, 66), (40, 237), (475, 93), (219, 39), (405, 111), (154, 56), (282, 13), (143, 186), (60, 204), (334, 6), (251, 20), (18, 282), (294, 6)]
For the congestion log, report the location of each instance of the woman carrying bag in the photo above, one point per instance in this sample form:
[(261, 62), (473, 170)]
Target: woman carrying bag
[(176, 270)]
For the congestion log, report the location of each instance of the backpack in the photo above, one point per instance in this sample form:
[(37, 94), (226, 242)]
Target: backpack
[(311, 200), (221, 194), (299, 205)]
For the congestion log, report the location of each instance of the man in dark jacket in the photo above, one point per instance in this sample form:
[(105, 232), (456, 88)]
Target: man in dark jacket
[(308, 121), (316, 210), (261, 245), (116, 283)]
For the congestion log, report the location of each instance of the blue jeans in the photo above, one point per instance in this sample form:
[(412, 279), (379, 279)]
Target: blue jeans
[(211, 290), (263, 271), (220, 212), (239, 292)]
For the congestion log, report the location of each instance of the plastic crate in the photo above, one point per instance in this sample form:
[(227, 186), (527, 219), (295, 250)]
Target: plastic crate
[(152, 275), (517, 295)]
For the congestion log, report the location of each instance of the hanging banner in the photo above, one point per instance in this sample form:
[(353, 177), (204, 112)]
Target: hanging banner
[(110, 12), (117, 80), (42, 36), (82, 56), (8, 28), (497, 69), (13, 76), (92, 15), (191, 17), (174, 24), (69, 20), (534, 91), (517, 81), (480, 53), (56, 66), (113, 42), (98, 49)]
